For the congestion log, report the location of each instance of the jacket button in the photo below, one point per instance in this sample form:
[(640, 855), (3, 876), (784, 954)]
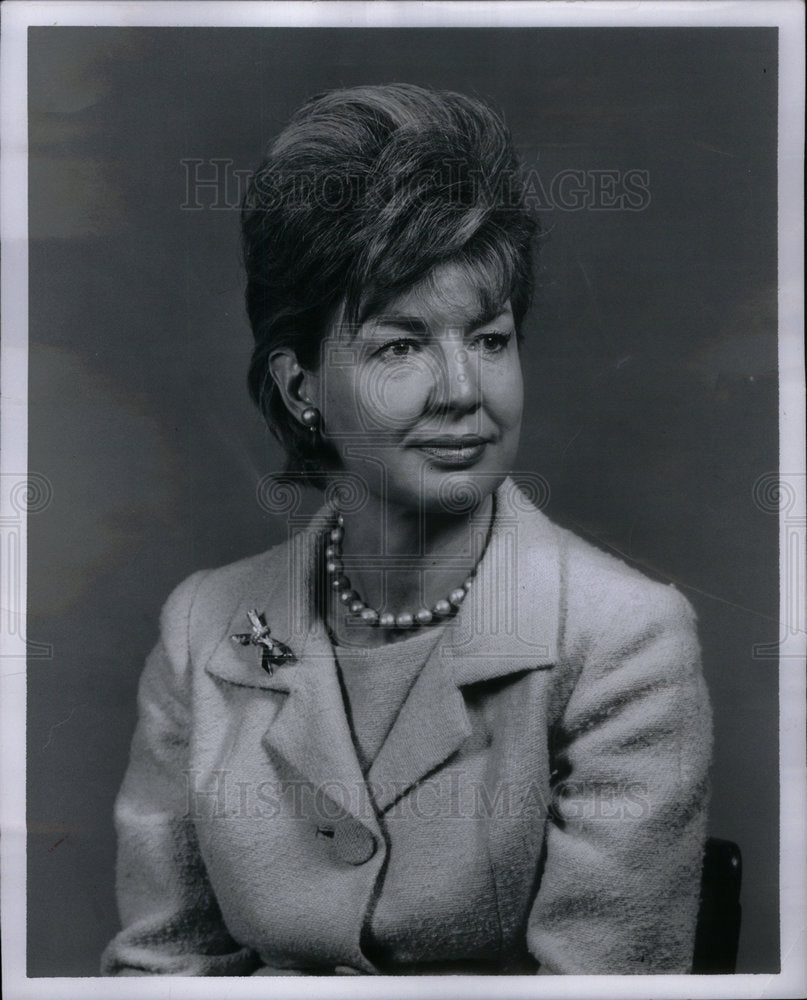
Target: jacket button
[(353, 842)]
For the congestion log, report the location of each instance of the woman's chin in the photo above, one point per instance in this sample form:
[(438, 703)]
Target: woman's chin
[(448, 491)]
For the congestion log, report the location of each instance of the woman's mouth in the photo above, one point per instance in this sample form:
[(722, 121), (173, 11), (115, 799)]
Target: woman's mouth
[(453, 452)]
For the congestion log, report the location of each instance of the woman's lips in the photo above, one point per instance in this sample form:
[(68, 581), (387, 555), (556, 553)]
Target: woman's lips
[(454, 453)]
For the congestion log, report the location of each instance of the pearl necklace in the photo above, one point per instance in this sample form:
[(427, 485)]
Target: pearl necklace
[(444, 608)]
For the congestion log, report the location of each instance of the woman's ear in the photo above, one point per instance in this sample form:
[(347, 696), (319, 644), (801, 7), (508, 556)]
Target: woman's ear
[(298, 387)]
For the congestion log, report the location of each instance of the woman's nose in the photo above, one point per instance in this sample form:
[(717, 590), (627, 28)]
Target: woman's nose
[(457, 383)]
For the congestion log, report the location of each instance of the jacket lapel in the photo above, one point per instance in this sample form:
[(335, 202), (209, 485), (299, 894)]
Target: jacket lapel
[(310, 731), (431, 726), (278, 585), (508, 624)]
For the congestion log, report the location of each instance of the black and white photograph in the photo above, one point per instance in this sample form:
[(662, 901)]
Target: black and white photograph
[(403, 500)]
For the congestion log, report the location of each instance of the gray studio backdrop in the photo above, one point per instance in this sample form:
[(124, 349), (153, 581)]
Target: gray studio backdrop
[(650, 360)]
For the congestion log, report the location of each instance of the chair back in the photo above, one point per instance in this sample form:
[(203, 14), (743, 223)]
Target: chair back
[(718, 929)]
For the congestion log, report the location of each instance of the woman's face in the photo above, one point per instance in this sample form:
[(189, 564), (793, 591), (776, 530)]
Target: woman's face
[(424, 400)]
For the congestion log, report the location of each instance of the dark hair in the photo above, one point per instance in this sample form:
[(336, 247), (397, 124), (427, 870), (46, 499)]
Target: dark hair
[(361, 196)]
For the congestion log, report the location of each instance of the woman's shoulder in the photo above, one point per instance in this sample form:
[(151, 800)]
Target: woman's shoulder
[(205, 602), (588, 561), (219, 580), (617, 625), (607, 597), (601, 587), (587, 567)]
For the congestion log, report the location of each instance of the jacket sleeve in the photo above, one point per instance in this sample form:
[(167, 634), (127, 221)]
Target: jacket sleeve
[(171, 921), (626, 828)]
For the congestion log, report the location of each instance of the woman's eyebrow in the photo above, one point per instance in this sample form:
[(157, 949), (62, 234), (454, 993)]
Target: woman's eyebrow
[(488, 314), (416, 324), (412, 324)]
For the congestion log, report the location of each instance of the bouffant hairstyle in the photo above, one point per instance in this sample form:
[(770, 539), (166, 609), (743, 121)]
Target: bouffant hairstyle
[(361, 196)]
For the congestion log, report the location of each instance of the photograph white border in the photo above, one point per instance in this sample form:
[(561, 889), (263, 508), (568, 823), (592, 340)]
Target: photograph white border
[(788, 16)]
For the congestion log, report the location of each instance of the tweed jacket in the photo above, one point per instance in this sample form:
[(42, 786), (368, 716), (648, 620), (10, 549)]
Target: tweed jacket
[(561, 722)]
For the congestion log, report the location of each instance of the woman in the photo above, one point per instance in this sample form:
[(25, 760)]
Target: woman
[(431, 732)]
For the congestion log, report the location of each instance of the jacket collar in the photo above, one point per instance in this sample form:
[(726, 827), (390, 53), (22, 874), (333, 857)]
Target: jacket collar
[(507, 624)]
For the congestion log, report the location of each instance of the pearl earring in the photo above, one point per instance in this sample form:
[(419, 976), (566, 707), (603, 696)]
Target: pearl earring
[(311, 418)]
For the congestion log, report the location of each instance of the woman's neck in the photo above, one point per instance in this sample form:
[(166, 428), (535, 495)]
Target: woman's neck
[(399, 560)]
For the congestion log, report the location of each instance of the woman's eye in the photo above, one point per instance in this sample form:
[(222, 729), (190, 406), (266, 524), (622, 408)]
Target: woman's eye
[(402, 348), (493, 343)]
